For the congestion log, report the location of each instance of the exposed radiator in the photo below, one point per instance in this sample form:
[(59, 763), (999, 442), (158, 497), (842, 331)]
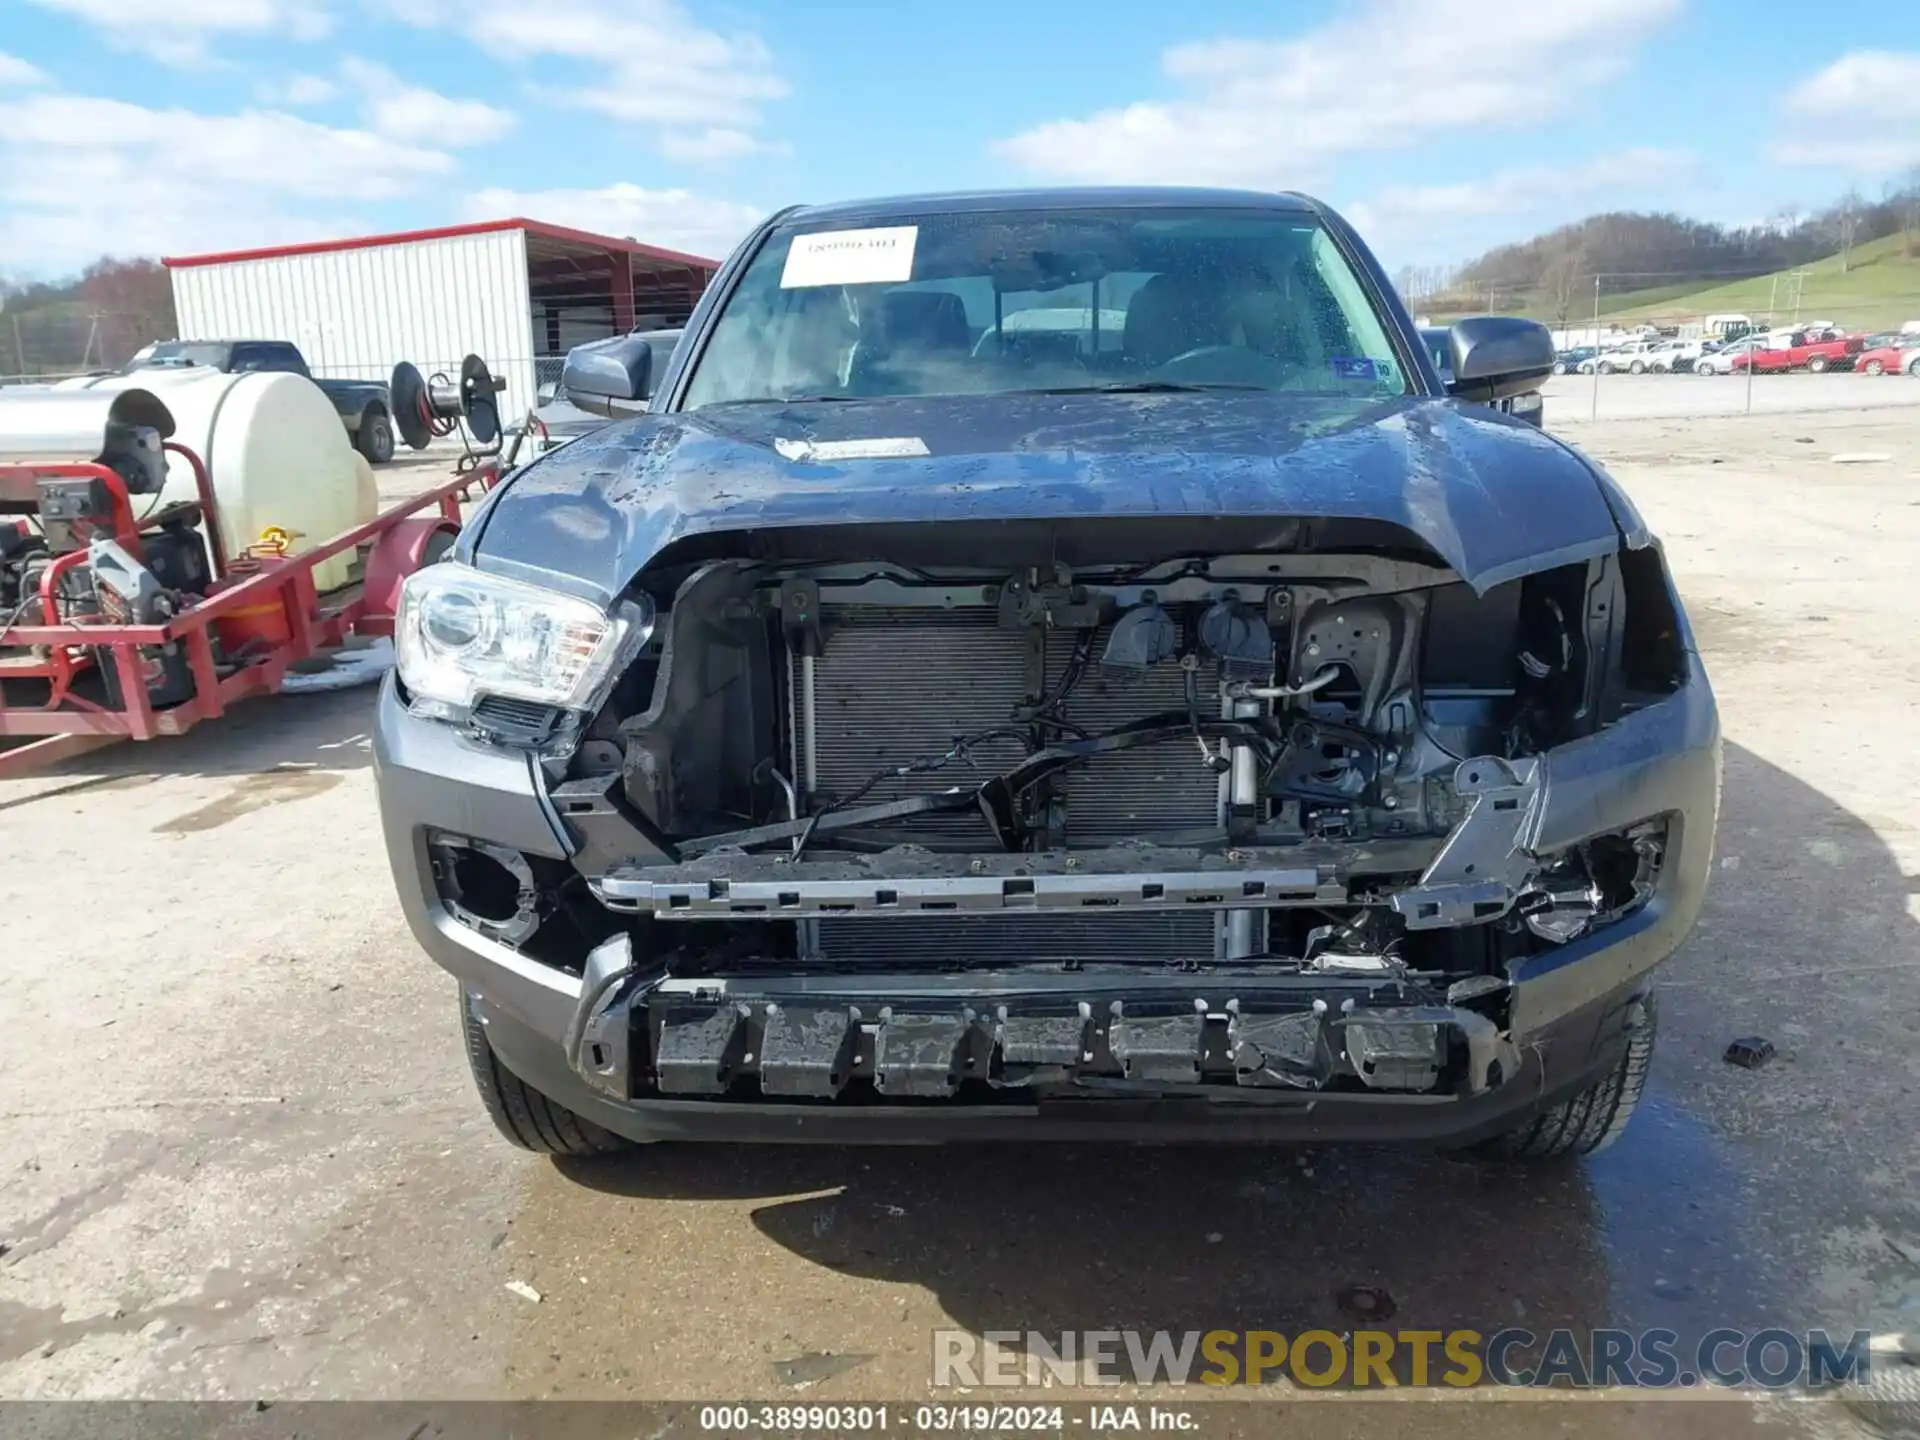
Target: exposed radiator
[(897, 684)]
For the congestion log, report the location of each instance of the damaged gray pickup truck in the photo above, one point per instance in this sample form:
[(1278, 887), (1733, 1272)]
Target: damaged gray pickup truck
[(1055, 665)]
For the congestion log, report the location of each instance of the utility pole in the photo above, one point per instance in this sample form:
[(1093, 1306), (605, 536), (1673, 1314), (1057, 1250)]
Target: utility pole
[(1753, 364), (1594, 413)]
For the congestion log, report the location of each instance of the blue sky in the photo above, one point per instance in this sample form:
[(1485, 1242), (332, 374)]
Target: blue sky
[(1440, 126)]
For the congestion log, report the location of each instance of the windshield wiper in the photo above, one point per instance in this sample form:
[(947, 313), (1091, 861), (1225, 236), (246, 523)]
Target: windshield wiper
[(789, 400), (1147, 387)]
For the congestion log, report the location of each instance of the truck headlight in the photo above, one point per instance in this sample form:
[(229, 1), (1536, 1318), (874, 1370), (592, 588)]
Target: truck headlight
[(462, 635)]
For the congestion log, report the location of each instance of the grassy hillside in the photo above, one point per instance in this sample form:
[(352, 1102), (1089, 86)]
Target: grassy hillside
[(1879, 290)]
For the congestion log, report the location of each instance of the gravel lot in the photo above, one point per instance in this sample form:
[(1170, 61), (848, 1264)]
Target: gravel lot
[(240, 1154)]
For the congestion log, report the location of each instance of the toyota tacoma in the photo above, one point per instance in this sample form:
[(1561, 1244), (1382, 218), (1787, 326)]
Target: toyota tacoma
[(1194, 719)]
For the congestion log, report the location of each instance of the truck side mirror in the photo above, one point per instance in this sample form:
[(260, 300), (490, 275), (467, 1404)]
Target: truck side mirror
[(1495, 356), (600, 376)]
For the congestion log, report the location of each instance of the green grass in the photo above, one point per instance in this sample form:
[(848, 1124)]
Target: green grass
[(1879, 290)]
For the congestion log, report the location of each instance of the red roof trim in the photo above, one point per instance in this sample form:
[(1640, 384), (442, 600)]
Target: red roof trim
[(448, 232)]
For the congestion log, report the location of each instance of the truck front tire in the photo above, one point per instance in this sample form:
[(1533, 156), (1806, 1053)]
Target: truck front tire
[(521, 1113), (1590, 1121), (374, 439)]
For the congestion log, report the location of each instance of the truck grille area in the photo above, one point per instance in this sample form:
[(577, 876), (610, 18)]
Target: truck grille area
[(898, 683), (932, 942)]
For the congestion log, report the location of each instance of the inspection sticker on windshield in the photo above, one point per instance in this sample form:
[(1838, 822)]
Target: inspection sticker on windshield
[(884, 448), (880, 256), (1354, 367)]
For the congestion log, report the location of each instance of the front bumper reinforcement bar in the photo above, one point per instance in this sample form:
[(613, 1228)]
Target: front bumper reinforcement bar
[(910, 880), (921, 1037)]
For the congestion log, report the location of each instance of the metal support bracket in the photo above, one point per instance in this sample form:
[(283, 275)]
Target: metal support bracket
[(596, 1042), (921, 1055), (808, 1052), (1288, 1049), (1485, 864), (1165, 1048), (701, 1055)]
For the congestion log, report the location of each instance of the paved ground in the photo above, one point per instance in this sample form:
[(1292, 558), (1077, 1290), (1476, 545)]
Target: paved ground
[(240, 1155)]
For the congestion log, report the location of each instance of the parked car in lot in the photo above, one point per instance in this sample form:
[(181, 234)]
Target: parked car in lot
[(1721, 361), (1814, 350), (1675, 356), (1566, 362), (886, 737), (1634, 357), (365, 407), (1892, 358)]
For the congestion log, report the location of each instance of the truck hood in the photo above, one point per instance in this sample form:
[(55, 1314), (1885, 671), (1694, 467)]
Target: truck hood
[(1493, 497)]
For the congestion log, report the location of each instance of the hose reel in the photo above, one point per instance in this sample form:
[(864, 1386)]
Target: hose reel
[(427, 408)]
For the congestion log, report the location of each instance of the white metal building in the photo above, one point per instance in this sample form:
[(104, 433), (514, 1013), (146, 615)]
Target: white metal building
[(517, 293)]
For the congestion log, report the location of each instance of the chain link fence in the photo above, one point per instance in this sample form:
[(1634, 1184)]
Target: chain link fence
[(1820, 337)]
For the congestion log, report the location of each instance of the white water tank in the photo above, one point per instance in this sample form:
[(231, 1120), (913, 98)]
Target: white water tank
[(276, 450)]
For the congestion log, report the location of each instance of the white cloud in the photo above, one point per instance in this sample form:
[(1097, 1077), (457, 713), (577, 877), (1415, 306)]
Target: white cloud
[(83, 176), (1432, 222), (301, 90), (15, 71), (1861, 113), (1385, 75), (412, 112), (178, 31), (675, 219), (715, 145), (647, 62)]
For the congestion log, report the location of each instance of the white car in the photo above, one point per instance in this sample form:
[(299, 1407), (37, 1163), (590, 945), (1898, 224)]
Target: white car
[(1631, 357), (1675, 355), (1720, 362)]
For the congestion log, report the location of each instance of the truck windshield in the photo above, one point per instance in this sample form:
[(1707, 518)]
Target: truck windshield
[(214, 356), (1056, 301)]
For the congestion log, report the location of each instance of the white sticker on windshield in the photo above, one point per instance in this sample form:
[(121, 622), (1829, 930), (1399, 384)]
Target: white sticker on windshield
[(889, 448), (881, 256)]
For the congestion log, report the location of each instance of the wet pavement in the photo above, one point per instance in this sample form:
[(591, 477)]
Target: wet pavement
[(240, 1156)]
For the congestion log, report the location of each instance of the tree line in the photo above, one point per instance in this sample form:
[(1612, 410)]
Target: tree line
[(1553, 275), (94, 321)]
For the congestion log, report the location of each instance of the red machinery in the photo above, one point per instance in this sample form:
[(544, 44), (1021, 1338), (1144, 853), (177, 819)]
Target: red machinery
[(78, 669)]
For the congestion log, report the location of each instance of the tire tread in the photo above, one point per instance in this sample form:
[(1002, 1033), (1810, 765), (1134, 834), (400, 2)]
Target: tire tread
[(1587, 1123), (523, 1115)]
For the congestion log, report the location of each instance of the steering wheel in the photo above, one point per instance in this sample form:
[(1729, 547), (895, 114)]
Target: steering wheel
[(1225, 364), (1199, 353)]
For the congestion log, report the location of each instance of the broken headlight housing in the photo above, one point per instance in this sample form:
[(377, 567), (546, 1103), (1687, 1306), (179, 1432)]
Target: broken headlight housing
[(1605, 879), (462, 635)]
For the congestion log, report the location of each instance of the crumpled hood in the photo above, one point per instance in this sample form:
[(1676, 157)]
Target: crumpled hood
[(1493, 497)]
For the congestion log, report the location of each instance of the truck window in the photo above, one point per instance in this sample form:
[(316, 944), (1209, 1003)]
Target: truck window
[(273, 355)]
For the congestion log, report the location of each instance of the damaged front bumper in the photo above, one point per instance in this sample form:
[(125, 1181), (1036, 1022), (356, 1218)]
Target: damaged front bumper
[(925, 1037), (1231, 1054)]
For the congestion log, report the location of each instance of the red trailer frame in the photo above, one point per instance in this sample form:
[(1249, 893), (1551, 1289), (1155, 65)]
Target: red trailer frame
[(67, 724)]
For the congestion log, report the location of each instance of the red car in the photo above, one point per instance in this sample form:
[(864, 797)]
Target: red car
[(1890, 359), (1809, 350)]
